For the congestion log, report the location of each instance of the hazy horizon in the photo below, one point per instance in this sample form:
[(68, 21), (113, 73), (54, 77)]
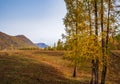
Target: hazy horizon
[(39, 20)]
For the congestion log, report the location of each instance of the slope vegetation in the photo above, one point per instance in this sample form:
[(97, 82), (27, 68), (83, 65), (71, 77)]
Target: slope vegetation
[(9, 42)]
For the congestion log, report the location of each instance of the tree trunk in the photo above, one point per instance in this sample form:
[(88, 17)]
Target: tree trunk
[(93, 72), (74, 72), (108, 23), (96, 17), (96, 72), (104, 71), (76, 44), (93, 61), (96, 33), (89, 13)]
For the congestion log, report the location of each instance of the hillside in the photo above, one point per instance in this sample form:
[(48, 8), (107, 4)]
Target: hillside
[(19, 41)]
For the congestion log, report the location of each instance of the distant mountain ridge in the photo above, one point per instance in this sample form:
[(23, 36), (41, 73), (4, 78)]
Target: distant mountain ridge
[(19, 41), (41, 45)]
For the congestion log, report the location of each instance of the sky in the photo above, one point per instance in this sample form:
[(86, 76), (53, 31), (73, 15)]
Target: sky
[(39, 20)]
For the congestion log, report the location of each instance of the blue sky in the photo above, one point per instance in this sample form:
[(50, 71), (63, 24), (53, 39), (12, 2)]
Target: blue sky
[(39, 20)]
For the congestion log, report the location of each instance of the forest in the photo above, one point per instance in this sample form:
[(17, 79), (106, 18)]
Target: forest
[(92, 31)]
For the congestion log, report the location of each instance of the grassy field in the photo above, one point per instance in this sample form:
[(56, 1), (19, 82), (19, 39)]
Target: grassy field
[(48, 67)]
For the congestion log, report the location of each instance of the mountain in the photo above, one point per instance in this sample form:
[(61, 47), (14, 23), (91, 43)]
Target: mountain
[(41, 45), (17, 42)]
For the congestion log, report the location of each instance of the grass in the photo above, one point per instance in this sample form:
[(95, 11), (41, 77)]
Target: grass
[(23, 68), (114, 68), (48, 67)]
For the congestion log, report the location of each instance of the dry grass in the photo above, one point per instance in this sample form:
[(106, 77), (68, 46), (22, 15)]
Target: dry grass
[(114, 68), (25, 67), (48, 67)]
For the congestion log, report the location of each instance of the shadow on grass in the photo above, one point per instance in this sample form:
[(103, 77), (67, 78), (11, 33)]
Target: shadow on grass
[(114, 67), (20, 70), (50, 53)]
